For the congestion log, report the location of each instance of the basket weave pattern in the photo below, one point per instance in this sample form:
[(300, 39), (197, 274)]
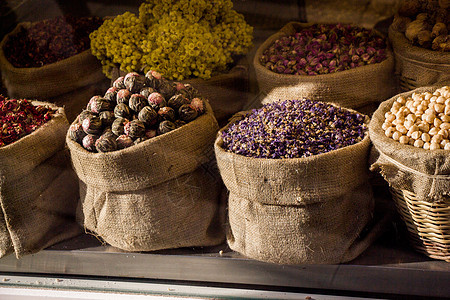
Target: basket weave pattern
[(428, 223)]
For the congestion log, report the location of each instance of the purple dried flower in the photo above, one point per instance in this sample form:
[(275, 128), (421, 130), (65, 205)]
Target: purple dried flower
[(294, 128)]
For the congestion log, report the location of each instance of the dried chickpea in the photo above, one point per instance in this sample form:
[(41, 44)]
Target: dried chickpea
[(416, 135), (418, 143), (396, 135), (434, 146), (421, 120), (404, 139)]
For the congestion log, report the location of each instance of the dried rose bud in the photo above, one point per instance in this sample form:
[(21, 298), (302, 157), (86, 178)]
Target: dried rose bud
[(152, 79), (177, 101), (111, 94), (123, 96), (124, 141), (122, 110), (137, 102), (92, 125), (187, 113), (156, 101), (166, 126), (134, 129), (146, 91), (106, 143), (166, 89), (134, 82), (107, 117), (99, 104), (76, 133), (167, 113), (88, 142), (148, 116), (117, 127), (119, 83)]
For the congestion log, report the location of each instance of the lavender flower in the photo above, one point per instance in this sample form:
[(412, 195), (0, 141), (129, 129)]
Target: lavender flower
[(294, 129)]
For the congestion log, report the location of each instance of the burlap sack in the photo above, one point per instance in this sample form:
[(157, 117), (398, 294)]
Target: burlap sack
[(423, 172), (356, 88), (38, 190), (296, 211), (416, 66), (161, 193), (69, 82), (227, 93)]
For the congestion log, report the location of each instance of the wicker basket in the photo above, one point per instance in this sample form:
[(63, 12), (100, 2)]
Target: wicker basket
[(428, 223)]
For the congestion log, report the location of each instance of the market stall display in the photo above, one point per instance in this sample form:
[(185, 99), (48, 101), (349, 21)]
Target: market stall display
[(152, 184), (421, 42), (342, 64), (191, 41), (297, 172), (413, 158), (51, 60), (38, 188)]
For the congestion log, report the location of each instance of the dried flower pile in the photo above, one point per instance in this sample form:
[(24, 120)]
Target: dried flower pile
[(19, 118), (425, 23), (134, 109), (323, 49), (294, 129), (50, 41), (178, 38), (422, 120)]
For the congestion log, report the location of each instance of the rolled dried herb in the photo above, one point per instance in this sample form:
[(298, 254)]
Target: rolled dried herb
[(121, 118)]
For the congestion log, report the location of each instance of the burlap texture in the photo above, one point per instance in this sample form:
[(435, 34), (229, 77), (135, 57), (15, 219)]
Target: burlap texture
[(161, 193), (38, 190), (355, 88), (416, 66), (295, 211), (227, 93), (423, 172), (67, 79)]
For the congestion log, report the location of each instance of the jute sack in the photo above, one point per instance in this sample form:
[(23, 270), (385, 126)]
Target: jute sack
[(69, 82), (423, 172), (356, 88), (38, 190), (416, 66), (296, 211), (228, 93), (161, 193)]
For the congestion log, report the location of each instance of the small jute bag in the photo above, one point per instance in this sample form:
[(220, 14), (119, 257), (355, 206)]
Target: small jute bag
[(68, 83), (161, 193), (300, 210), (362, 87), (420, 184), (228, 93), (418, 67), (38, 190)]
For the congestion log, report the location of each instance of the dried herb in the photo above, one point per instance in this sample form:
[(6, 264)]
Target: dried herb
[(50, 41), (294, 129), (19, 118)]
